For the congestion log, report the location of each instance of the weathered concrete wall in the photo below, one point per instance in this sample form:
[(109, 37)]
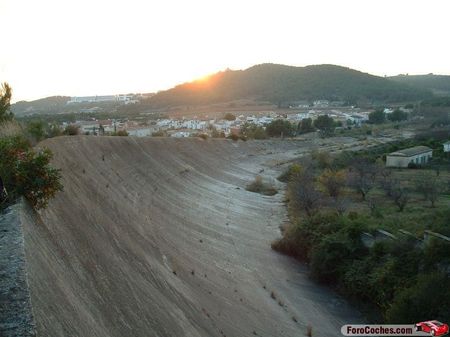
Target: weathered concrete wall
[(16, 318), (158, 237)]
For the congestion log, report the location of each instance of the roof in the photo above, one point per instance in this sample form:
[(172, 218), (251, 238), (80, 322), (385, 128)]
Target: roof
[(412, 151)]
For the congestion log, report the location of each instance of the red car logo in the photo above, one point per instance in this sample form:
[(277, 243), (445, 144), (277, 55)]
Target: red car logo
[(435, 328)]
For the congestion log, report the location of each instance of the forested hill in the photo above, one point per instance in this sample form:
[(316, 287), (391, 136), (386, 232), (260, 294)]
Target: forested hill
[(280, 83), (439, 84)]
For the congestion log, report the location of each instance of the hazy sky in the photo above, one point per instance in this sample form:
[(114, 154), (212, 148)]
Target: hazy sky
[(89, 47)]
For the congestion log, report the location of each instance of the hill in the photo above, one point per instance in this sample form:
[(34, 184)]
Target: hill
[(438, 84), (280, 84), (48, 105), (158, 237)]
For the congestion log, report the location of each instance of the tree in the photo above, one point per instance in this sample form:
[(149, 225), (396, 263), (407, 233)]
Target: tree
[(325, 124), (400, 196), (362, 176), (251, 130), (36, 130), (28, 173), (304, 194), (5, 103), (377, 117), (305, 126), (397, 116), (429, 187), (229, 116), (280, 128), (332, 182)]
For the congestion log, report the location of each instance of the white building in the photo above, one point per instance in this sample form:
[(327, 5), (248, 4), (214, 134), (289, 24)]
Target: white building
[(181, 134), (447, 146), (418, 155), (88, 126), (140, 131), (92, 99)]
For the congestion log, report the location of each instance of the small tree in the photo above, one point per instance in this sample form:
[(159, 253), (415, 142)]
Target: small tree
[(377, 117), (304, 193), (305, 126), (400, 196), (397, 116), (280, 128), (362, 175), (429, 187), (325, 124), (36, 130), (5, 103), (332, 182)]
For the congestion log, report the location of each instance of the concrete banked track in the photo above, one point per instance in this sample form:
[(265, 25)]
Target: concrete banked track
[(158, 237)]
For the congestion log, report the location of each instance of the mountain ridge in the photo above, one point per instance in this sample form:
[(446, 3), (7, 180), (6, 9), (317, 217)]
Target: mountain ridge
[(277, 83)]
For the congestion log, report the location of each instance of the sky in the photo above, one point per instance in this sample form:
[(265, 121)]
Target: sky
[(97, 47)]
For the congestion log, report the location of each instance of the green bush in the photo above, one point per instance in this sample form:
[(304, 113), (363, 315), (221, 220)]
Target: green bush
[(28, 173), (428, 299), (280, 128), (330, 256)]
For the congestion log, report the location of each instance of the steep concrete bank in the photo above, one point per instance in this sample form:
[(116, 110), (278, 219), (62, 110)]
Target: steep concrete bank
[(16, 318), (158, 237)]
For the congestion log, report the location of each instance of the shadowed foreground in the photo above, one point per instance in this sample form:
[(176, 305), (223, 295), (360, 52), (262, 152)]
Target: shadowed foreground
[(158, 237)]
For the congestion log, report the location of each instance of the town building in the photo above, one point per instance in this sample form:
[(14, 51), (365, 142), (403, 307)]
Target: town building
[(447, 146), (418, 155)]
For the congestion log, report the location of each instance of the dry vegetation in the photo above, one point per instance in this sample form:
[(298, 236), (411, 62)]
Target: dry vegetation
[(259, 186)]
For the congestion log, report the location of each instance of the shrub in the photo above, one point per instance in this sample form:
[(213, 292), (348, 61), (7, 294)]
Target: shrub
[(429, 297), (159, 133), (71, 130), (233, 137), (253, 131), (329, 257), (258, 186), (292, 171), (203, 136), (28, 173), (229, 116), (120, 133)]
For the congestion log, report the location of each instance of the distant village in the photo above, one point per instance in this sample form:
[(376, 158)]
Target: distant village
[(184, 127)]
